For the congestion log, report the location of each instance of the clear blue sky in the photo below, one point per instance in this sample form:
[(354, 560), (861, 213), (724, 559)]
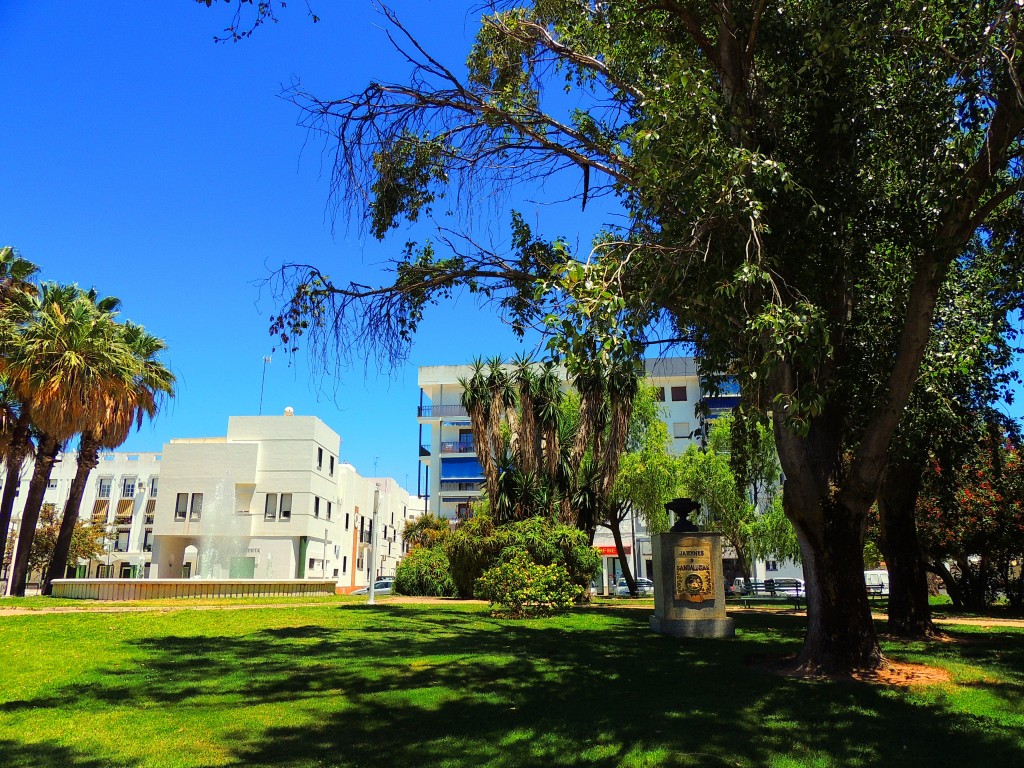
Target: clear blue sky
[(141, 158)]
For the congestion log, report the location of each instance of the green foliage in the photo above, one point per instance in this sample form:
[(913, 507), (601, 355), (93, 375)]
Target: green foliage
[(424, 571), (756, 530), (477, 545), (522, 587), (406, 171), (427, 530)]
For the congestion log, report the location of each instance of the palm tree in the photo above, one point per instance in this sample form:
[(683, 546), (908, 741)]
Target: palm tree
[(117, 409), (65, 350), (15, 292)]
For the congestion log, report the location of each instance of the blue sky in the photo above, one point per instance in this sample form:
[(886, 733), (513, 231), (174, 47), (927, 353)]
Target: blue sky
[(144, 159)]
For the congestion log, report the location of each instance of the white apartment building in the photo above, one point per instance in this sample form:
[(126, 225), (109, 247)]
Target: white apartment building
[(268, 500)]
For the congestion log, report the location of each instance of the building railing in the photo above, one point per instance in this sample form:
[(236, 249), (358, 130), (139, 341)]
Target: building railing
[(429, 411), (461, 485), (458, 447)]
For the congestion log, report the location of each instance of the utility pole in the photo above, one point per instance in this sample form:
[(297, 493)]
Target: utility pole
[(263, 381)]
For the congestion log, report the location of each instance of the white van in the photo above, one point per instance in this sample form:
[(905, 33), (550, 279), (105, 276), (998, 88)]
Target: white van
[(877, 582)]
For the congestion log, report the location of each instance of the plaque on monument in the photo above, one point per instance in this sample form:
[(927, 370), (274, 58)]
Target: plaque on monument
[(695, 580)]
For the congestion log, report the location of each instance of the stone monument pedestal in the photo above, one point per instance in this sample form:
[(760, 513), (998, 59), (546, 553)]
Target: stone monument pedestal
[(689, 593)]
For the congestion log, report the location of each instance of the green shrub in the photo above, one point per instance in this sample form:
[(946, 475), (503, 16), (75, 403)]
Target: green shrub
[(424, 571), (521, 587), (477, 545)]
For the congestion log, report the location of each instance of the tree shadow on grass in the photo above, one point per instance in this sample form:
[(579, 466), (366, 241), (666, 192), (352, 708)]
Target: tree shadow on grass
[(446, 686), (16, 754)]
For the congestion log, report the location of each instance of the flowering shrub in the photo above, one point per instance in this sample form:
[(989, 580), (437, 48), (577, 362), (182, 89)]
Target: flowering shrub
[(520, 587)]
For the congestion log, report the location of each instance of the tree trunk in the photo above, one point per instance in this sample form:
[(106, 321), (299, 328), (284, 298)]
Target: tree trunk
[(614, 524), (15, 461), (909, 611), (841, 634), (88, 458), (46, 456), (952, 587)]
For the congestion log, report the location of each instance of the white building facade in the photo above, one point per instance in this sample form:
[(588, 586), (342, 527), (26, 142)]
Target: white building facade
[(269, 500)]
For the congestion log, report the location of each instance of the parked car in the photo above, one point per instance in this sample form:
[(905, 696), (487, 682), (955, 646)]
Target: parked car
[(644, 588), (380, 587)]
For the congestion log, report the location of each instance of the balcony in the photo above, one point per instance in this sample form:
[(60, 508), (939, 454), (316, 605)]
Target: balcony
[(441, 411), (458, 447), (461, 485)]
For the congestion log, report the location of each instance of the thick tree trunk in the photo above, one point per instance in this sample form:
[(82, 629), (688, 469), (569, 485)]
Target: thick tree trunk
[(909, 612), (841, 634), (46, 456), (88, 458), (15, 460)]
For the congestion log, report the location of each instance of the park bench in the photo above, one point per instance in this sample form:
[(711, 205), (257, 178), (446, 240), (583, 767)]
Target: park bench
[(772, 593)]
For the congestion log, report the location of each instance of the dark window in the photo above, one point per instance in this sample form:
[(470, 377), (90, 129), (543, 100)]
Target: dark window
[(316, 506), (659, 394), (270, 510), (319, 458), (344, 563), (328, 510), (346, 521), (678, 394), (196, 511), (312, 562), (181, 506), (286, 506), (330, 463)]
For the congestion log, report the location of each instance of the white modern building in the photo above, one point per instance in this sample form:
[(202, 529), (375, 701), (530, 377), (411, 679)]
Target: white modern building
[(269, 500)]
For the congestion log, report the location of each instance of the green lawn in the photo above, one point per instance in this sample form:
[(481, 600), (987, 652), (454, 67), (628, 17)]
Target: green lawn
[(344, 684)]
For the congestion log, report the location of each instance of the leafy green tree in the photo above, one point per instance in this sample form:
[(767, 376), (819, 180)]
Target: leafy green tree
[(743, 505), (86, 543), (648, 477), (775, 164)]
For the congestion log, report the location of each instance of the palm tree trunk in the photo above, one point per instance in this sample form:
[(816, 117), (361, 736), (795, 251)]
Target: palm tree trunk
[(15, 460), (88, 458), (45, 458)]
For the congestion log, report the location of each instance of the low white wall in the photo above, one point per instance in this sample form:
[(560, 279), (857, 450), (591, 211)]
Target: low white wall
[(154, 589)]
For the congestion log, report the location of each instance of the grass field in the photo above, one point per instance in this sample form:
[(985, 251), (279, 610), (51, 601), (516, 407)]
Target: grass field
[(344, 684)]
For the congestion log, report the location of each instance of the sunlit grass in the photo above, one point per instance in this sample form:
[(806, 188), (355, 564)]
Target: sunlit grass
[(344, 684)]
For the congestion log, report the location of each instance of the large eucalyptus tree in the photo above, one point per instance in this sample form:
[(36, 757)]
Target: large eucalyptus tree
[(774, 162)]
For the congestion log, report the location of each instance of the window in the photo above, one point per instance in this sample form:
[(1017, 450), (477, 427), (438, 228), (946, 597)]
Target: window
[(196, 512), (330, 464), (121, 544), (344, 563), (105, 483), (681, 430), (346, 521), (659, 394), (771, 565), (359, 563), (181, 506), (462, 511), (147, 540), (51, 484), (678, 394), (319, 458), (286, 506), (312, 563), (328, 510), (128, 487), (270, 511), (316, 506), (335, 573), (152, 486)]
